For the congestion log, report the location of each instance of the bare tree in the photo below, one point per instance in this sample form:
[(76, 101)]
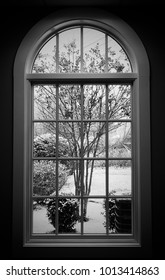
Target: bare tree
[(87, 140)]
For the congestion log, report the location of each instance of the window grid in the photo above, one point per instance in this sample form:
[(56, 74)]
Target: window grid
[(107, 158)]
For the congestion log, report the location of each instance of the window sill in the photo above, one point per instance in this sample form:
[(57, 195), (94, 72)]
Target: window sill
[(83, 242)]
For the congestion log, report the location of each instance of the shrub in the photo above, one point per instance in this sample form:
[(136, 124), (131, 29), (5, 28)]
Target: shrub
[(45, 146), (44, 178), (112, 215), (68, 212), (119, 215)]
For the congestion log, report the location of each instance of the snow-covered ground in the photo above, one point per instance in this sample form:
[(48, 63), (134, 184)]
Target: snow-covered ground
[(119, 181)]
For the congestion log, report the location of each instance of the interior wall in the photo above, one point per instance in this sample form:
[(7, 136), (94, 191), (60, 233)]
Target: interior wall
[(148, 24)]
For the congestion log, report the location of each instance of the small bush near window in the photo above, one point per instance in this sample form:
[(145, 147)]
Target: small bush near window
[(120, 215), (44, 178), (68, 213)]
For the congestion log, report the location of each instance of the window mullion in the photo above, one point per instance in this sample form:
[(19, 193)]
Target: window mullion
[(81, 50), (57, 165), (82, 161), (107, 165), (57, 53), (87, 78), (31, 137), (106, 53)]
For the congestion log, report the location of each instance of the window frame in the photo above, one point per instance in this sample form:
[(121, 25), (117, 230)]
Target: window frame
[(139, 79)]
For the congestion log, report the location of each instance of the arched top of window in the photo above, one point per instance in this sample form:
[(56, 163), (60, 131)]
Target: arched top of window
[(81, 49), (89, 33)]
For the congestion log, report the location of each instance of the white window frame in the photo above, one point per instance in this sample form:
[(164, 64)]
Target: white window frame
[(141, 136)]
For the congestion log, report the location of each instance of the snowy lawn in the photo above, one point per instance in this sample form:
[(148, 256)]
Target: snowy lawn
[(119, 181)]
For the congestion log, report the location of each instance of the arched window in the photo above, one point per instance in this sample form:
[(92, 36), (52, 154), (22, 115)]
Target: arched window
[(82, 84)]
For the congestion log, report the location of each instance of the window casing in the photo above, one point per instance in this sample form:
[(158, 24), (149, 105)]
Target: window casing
[(82, 79)]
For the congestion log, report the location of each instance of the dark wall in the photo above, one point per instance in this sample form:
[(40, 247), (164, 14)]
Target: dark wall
[(148, 24)]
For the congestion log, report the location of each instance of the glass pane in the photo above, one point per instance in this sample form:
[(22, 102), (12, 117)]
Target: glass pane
[(94, 51), (94, 217), (69, 51), (44, 177), (45, 61), (68, 215), (70, 102), (44, 142), (117, 58), (94, 102), (44, 102), (120, 177), (42, 224), (94, 177), (119, 102), (70, 178), (94, 139), (120, 216), (69, 139), (120, 139)]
